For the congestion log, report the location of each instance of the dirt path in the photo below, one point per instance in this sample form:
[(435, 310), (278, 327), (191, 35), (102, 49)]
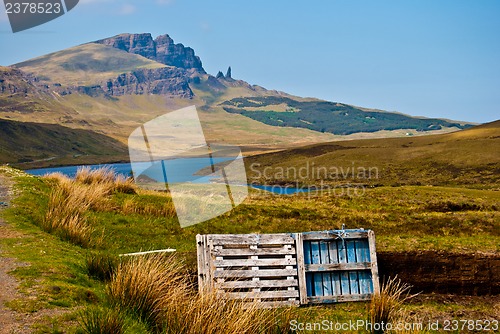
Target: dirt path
[(8, 288)]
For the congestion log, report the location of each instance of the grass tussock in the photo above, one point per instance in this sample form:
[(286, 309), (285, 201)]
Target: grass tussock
[(156, 289), (99, 320), (101, 266), (71, 199), (386, 306), (107, 177), (134, 206)]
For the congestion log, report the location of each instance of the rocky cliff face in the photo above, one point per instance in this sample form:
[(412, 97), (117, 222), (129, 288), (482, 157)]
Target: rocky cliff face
[(16, 82), (161, 81), (162, 49)]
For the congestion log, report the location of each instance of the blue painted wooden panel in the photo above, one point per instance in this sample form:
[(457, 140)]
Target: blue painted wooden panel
[(353, 274), (307, 260), (325, 277), (337, 282), (365, 276), (317, 277)]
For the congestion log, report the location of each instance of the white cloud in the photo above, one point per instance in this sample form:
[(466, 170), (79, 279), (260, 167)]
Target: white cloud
[(127, 9)]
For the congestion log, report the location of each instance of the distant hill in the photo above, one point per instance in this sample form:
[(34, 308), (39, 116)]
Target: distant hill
[(30, 145), (113, 85), (467, 157), (323, 116)]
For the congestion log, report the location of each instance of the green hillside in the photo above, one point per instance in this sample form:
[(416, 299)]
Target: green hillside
[(468, 157), (324, 116), (30, 145)]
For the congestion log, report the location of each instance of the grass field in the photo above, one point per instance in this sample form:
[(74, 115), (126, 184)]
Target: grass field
[(448, 219)]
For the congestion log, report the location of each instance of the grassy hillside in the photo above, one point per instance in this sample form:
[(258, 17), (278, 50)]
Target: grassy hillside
[(29, 145), (85, 64), (469, 157), (326, 116)]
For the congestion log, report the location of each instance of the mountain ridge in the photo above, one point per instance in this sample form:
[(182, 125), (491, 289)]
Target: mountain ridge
[(113, 85)]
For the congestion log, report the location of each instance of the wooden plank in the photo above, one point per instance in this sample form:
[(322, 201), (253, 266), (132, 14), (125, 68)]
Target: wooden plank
[(332, 250), (339, 299), (336, 283), (251, 239), (308, 260), (263, 294), (351, 258), (255, 279), (325, 277), (210, 263), (364, 276), (344, 276), (337, 266), (362, 250), (274, 304), (200, 246), (328, 235), (253, 251), (317, 278), (301, 272), (290, 277), (255, 273), (283, 283), (373, 258), (365, 282), (253, 263)]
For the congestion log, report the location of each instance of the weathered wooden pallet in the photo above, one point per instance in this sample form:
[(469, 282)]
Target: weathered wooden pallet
[(289, 269), (250, 267)]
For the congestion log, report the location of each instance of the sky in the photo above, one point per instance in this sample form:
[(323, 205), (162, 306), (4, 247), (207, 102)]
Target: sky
[(433, 58)]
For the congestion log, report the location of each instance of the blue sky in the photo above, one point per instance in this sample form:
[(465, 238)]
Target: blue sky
[(428, 58)]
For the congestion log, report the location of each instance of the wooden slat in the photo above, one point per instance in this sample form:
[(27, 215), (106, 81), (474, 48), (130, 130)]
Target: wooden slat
[(281, 303), (351, 258), (373, 258), (258, 284), (263, 294), (364, 277), (251, 239), (200, 247), (255, 273), (337, 266), (256, 251), (328, 235), (301, 272), (252, 262), (317, 278), (325, 277), (338, 299)]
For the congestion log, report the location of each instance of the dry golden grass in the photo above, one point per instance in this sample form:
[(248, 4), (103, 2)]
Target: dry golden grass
[(70, 199), (147, 286), (132, 206), (386, 306), (156, 289)]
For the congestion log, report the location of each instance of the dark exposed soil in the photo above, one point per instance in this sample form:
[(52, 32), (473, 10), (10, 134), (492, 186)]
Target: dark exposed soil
[(444, 273)]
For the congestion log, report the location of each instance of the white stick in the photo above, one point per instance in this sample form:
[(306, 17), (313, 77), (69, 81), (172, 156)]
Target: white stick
[(169, 250)]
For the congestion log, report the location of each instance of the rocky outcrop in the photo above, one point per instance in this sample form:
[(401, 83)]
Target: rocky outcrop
[(228, 73), (162, 81), (162, 49), (16, 82)]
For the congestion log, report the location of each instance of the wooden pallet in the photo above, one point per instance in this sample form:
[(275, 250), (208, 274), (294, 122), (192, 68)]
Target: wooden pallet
[(289, 269), (250, 267), (338, 266)]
